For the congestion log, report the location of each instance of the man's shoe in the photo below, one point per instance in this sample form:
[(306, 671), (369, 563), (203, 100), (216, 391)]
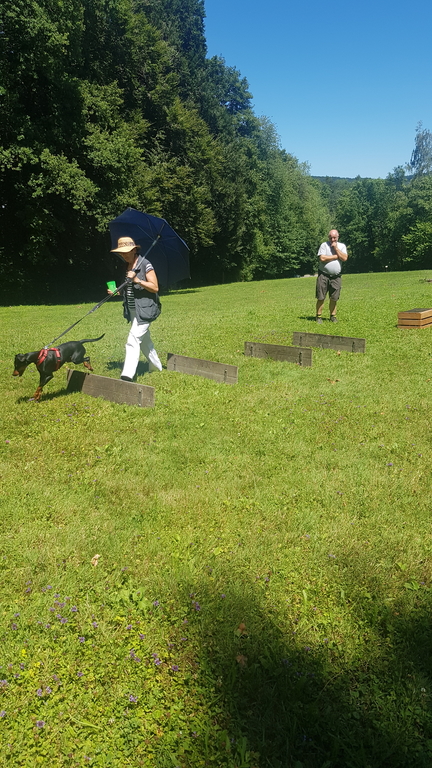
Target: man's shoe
[(319, 319), (125, 378), (333, 319)]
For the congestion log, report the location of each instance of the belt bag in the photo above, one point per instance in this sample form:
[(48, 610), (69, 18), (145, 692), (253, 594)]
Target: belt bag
[(147, 308)]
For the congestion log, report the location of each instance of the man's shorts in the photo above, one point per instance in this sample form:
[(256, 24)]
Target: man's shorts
[(330, 284)]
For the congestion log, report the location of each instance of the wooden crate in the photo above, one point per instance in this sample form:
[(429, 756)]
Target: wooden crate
[(299, 355), (415, 318), (341, 343)]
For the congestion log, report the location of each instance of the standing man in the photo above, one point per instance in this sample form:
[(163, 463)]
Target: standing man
[(331, 254)]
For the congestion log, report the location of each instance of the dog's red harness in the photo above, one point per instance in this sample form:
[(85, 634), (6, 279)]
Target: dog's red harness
[(43, 356)]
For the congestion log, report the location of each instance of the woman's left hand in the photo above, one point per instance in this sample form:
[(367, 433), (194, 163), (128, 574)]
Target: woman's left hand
[(131, 274)]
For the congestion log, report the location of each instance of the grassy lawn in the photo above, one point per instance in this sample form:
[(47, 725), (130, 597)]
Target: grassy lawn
[(263, 591)]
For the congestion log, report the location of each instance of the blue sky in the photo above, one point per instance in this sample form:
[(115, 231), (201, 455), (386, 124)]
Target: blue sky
[(345, 83)]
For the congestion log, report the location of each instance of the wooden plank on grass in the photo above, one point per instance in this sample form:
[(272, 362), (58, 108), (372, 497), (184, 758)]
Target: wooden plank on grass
[(226, 374), (415, 314), (116, 390), (299, 355), (342, 343)]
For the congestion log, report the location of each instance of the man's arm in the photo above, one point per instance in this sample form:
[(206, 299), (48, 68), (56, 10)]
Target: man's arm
[(325, 258), (342, 255)]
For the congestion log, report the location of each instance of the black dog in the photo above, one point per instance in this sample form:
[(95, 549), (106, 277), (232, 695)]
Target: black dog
[(49, 360)]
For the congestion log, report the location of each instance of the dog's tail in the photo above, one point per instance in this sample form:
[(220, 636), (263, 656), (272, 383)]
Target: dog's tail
[(85, 341)]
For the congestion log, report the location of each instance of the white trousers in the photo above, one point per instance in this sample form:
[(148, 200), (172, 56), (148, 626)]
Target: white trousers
[(139, 339)]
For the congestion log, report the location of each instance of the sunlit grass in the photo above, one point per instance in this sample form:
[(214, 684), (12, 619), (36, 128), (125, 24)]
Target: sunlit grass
[(281, 526)]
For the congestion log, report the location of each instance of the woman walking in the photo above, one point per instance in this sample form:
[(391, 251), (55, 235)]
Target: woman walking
[(141, 306)]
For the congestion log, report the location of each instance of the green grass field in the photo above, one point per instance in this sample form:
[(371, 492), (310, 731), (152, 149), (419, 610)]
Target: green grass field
[(263, 591)]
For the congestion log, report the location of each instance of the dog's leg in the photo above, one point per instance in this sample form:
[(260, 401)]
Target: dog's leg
[(78, 357), (43, 380), (37, 395)]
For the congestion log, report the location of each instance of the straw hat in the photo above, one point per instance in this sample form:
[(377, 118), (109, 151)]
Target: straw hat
[(124, 245)]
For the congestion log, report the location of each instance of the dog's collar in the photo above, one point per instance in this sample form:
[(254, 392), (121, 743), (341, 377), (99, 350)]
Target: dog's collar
[(44, 353)]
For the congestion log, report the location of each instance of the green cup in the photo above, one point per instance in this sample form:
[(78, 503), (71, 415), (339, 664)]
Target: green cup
[(112, 286)]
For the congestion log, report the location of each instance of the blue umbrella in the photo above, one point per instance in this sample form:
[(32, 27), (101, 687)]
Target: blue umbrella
[(159, 243)]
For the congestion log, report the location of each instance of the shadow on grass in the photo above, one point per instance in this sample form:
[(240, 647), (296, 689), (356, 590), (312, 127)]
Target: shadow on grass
[(320, 706), (179, 291), (45, 397), (312, 318), (117, 365)]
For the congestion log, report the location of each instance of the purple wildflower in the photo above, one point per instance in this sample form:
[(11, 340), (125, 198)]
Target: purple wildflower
[(63, 621), (74, 609), (196, 606), (3, 713), (129, 626), (141, 637), (48, 690), (133, 699), (81, 639), (39, 692), (94, 624), (174, 667), (80, 674), (156, 603), (40, 723), (14, 626)]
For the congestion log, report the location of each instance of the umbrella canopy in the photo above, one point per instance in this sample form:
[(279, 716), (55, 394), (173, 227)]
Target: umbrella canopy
[(159, 243)]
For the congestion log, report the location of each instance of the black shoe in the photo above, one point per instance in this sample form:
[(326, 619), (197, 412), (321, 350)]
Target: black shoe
[(333, 319), (319, 319), (125, 378)]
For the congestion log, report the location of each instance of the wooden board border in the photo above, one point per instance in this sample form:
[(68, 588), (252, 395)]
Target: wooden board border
[(115, 390), (208, 369), (282, 353), (339, 343)]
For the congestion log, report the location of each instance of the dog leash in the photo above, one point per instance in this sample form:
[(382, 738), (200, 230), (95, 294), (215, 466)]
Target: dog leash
[(87, 313)]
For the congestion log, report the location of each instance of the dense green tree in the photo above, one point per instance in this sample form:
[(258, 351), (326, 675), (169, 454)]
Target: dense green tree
[(421, 158), (110, 103)]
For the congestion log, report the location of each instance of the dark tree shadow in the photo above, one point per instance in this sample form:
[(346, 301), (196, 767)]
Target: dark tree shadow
[(315, 707)]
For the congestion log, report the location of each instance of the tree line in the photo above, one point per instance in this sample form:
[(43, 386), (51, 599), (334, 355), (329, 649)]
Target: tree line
[(113, 103), (387, 223)]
